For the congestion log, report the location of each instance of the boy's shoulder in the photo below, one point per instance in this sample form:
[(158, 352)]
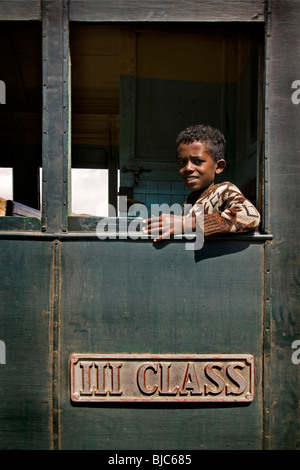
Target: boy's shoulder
[(214, 198), (220, 189), (216, 194)]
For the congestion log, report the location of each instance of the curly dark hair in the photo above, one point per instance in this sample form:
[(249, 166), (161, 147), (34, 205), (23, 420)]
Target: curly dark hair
[(213, 139)]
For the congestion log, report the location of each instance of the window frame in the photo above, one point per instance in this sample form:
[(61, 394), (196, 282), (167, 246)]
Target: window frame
[(56, 16)]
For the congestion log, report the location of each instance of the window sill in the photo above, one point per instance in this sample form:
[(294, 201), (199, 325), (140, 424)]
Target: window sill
[(20, 224)]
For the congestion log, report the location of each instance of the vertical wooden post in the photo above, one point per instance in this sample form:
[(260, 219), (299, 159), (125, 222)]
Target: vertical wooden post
[(56, 116)]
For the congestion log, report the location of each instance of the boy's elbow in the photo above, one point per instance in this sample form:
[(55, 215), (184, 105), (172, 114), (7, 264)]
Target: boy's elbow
[(246, 221), (257, 219), (252, 216), (253, 222)]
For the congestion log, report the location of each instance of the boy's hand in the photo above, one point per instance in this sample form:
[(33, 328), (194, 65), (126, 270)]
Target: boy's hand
[(164, 226)]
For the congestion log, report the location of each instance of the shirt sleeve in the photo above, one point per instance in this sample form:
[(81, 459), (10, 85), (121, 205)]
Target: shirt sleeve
[(226, 210)]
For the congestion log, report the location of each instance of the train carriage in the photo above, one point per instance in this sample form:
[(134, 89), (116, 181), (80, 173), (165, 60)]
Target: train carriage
[(113, 342)]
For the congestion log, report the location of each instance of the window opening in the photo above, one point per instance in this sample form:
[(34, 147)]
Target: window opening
[(21, 114), (136, 86), (89, 192), (6, 188), (95, 81)]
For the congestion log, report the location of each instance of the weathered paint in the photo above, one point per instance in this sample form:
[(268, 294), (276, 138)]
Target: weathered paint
[(56, 109), (26, 329), (63, 293), (126, 296), (167, 10), (282, 179)]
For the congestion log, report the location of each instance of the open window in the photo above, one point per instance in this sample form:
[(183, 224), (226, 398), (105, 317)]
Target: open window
[(136, 86), (95, 58), (21, 118)]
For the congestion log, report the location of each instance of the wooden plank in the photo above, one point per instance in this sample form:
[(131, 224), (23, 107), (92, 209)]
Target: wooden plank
[(22, 10), (20, 210), (166, 10), (282, 153)]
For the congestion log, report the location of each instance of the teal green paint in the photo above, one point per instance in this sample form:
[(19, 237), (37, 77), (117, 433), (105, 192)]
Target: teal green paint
[(20, 224), (25, 327), (131, 297), (81, 295)]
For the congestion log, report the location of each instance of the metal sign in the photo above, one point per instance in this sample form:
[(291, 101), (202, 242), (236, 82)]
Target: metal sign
[(161, 378)]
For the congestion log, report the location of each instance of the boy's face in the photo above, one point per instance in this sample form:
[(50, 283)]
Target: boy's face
[(197, 168)]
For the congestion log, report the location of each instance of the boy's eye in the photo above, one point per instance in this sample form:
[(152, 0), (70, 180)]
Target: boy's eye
[(183, 163)]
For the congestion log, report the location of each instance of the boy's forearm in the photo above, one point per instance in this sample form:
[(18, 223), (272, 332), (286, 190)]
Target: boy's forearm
[(215, 224)]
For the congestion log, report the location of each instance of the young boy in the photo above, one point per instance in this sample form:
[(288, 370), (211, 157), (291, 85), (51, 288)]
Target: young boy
[(200, 154)]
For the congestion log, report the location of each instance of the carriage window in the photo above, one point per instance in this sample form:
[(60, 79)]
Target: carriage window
[(95, 61), (135, 87), (21, 114)]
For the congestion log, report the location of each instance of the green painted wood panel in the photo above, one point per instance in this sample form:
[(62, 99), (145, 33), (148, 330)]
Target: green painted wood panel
[(125, 296), (282, 156), (25, 328)]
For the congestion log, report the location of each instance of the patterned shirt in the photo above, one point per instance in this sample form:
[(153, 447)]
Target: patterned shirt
[(226, 210)]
